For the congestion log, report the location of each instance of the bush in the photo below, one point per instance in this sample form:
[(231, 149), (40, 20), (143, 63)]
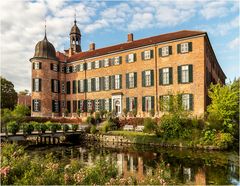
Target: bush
[(106, 126), (209, 136), (78, 112), (174, 126), (54, 127), (97, 117), (93, 129), (152, 112), (90, 112), (65, 127), (13, 127), (66, 112), (90, 120), (102, 113), (149, 125), (28, 128), (223, 140), (21, 111), (74, 127)]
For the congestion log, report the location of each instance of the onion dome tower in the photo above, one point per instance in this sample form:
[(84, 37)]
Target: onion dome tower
[(45, 80), (75, 38)]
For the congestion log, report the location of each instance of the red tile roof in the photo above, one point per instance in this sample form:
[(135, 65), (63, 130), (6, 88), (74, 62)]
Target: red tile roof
[(135, 44), (61, 57)]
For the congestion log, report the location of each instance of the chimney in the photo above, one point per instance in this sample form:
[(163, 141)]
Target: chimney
[(92, 46), (130, 37)]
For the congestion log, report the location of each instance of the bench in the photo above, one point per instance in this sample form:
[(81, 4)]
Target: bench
[(128, 127), (139, 128)]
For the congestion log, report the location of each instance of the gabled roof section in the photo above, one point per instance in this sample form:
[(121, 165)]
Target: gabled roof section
[(135, 44)]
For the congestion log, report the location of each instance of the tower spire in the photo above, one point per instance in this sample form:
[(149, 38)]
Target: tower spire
[(75, 21), (45, 29)]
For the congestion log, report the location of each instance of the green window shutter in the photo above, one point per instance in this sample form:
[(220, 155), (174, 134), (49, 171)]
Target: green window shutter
[(143, 79), (33, 87), (110, 104), (152, 102), (84, 66), (160, 52), (40, 65), (59, 106), (170, 75), (120, 60), (190, 68), (135, 102), (151, 54), (33, 65), (126, 58), (70, 69), (120, 77), (179, 74), (68, 87), (51, 66), (103, 83), (93, 84), (112, 82), (170, 50), (85, 105), (127, 104), (160, 76), (78, 104), (79, 86), (135, 56), (93, 65), (74, 86), (161, 103), (58, 86), (143, 104), (53, 108), (189, 46), (135, 79), (127, 80), (58, 68), (40, 85), (179, 48), (191, 101), (142, 55), (52, 85), (152, 78)]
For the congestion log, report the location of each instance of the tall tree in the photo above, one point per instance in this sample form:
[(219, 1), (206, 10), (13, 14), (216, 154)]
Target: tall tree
[(24, 92), (8, 94)]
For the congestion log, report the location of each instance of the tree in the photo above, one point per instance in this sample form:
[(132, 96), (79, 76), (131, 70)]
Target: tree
[(8, 94), (223, 109), (21, 111), (24, 92)]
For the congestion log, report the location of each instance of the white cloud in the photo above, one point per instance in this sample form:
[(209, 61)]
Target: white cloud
[(234, 44), (214, 9)]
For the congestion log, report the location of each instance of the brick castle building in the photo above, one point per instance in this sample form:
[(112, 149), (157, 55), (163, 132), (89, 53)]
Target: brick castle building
[(135, 74)]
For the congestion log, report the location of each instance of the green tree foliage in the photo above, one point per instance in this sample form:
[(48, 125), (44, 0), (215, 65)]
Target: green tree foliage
[(21, 111), (149, 125), (224, 108), (24, 92), (8, 94)]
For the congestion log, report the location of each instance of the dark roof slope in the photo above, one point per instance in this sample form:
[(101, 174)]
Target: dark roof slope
[(135, 44)]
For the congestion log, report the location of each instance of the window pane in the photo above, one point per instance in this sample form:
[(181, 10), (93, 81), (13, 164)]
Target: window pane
[(147, 54)]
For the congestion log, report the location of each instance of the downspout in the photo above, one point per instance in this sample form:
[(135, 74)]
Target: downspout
[(156, 76)]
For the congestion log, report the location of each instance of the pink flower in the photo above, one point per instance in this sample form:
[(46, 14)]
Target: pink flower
[(5, 170)]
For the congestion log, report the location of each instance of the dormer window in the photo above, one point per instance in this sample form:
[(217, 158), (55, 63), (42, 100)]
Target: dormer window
[(37, 65)]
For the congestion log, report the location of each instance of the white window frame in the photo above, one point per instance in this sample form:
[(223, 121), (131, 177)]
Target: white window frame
[(68, 69), (165, 51), (81, 67), (97, 83), (89, 85), (56, 108), (106, 62), (36, 84), (63, 87), (89, 65), (97, 64), (147, 54), (185, 74), (131, 80), (55, 67), (81, 85), (89, 105), (97, 105), (186, 101), (106, 83), (55, 85), (106, 104), (117, 81), (184, 47), (165, 76), (36, 65), (148, 78), (117, 60), (131, 103), (148, 103), (36, 105), (130, 58)]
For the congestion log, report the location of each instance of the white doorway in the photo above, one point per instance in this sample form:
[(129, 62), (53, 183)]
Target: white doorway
[(117, 104)]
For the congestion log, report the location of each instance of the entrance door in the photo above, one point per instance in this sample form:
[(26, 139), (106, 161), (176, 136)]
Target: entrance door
[(117, 107)]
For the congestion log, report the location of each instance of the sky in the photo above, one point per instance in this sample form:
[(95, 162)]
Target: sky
[(107, 23)]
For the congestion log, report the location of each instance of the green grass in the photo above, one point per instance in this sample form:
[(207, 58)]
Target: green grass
[(129, 133)]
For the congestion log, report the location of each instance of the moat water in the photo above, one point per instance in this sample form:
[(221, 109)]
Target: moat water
[(186, 166)]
